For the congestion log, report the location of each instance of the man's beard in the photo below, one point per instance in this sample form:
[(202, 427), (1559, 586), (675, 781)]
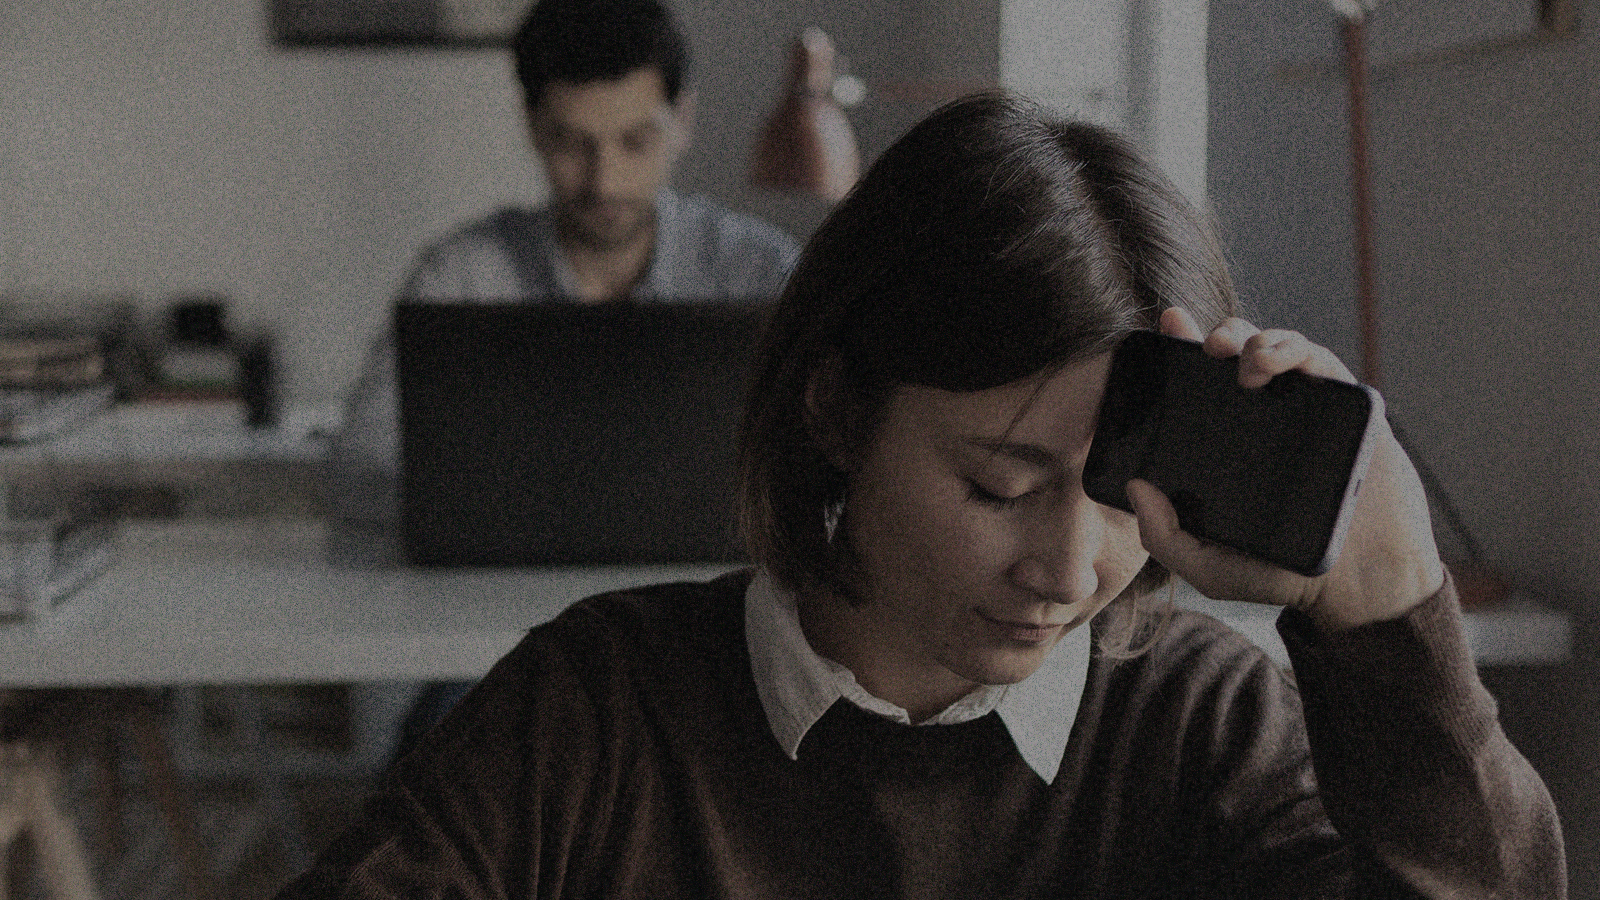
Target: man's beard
[(600, 225)]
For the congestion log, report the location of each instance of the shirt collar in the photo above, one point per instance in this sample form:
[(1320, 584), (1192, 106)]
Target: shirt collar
[(664, 255), (797, 686)]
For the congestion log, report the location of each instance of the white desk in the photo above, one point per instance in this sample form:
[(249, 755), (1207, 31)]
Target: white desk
[(1521, 632), (253, 602), (257, 602), (184, 432), (240, 601)]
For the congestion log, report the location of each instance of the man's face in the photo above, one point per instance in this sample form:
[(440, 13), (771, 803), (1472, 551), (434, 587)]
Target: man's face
[(608, 148)]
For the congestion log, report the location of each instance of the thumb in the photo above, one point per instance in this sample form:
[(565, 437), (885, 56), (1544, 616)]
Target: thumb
[(1158, 521), (1184, 555)]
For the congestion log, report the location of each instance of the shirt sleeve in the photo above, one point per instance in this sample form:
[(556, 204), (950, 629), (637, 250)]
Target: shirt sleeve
[(1412, 764), (504, 256), (705, 251), (362, 483), (758, 265), (500, 257)]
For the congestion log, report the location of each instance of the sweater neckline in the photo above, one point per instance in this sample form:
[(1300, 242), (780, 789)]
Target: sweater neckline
[(797, 686)]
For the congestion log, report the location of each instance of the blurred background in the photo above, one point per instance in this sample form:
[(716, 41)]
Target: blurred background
[(157, 151)]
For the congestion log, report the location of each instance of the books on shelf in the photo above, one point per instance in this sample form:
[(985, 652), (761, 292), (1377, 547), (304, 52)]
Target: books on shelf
[(50, 383), (50, 360)]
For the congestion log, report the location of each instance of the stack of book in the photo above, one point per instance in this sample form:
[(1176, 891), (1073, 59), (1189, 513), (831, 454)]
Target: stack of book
[(60, 361), (48, 385)]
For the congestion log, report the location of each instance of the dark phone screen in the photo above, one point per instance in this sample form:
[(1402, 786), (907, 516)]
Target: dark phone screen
[(1265, 471)]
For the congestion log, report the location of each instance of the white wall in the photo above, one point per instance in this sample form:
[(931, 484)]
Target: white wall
[(1487, 194), (163, 148), (1135, 65), (158, 148), (741, 59), (1070, 54)]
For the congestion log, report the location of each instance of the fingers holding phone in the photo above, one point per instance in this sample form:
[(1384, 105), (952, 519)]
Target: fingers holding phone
[(1294, 493), (1213, 569), (1262, 354)]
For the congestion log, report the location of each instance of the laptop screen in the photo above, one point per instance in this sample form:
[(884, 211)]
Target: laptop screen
[(571, 434)]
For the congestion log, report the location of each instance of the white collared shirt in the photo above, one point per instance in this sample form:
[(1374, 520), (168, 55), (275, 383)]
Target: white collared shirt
[(797, 686)]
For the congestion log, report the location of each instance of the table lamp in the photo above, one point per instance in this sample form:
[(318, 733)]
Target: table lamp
[(807, 145)]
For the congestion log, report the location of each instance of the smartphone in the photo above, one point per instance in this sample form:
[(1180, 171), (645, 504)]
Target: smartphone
[(1272, 472)]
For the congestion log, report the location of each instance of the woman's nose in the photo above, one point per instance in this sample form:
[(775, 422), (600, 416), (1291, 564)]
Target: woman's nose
[(1058, 563)]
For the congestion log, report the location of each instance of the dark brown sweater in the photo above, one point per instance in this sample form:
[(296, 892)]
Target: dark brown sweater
[(620, 751)]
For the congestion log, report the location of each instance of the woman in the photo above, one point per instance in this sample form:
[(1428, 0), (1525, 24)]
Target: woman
[(902, 698)]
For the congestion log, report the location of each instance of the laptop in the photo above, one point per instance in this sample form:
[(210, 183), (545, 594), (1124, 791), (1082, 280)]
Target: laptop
[(539, 434)]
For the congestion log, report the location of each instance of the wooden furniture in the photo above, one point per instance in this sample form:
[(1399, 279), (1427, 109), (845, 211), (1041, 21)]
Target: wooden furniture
[(30, 808), (111, 726)]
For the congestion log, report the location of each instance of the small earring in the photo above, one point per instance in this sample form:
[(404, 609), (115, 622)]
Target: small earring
[(831, 514)]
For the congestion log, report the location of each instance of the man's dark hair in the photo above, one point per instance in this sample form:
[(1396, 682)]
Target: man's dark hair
[(580, 41)]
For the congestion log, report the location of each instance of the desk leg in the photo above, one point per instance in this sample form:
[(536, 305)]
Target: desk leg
[(276, 799)]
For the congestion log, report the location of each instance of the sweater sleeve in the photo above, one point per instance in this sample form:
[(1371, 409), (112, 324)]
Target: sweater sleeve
[(511, 796), (1412, 764)]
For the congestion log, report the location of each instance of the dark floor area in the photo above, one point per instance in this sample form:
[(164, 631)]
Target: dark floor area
[(253, 834)]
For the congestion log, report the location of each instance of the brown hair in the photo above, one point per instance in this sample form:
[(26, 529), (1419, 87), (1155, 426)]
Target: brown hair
[(990, 243)]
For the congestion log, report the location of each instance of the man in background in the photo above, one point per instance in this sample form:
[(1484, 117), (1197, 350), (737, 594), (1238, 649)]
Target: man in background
[(609, 114)]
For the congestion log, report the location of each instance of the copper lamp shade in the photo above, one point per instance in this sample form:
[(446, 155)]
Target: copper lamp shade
[(808, 145)]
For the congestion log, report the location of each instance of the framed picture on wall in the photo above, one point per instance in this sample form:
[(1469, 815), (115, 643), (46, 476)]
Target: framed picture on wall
[(423, 23)]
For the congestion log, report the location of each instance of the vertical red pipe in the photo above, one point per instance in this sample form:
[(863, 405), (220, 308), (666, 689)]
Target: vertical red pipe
[(1361, 178)]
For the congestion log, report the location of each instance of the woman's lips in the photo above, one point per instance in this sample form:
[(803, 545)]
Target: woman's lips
[(1021, 632)]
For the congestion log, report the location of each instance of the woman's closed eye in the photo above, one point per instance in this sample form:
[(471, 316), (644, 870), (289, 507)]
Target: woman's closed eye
[(1002, 499)]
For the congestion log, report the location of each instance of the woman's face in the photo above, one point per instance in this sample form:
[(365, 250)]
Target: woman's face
[(977, 544)]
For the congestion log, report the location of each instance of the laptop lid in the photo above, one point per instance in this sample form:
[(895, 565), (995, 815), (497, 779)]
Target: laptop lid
[(571, 434)]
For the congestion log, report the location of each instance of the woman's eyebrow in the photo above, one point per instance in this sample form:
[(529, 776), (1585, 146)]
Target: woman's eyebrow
[(1031, 454)]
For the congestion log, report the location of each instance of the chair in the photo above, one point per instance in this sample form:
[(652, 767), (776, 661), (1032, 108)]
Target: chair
[(29, 782), (35, 725)]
